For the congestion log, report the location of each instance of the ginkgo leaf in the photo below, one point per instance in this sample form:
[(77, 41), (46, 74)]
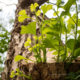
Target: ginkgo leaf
[(55, 52), (12, 74), (33, 7), (46, 29), (29, 29), (22, 12), (22, 16), (18, 58), (38, 13), (27, 43), (36, 5), (46, 8)]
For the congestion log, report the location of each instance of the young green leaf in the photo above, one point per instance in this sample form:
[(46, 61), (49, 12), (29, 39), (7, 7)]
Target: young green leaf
[(35, 37), (33, 7), (55, 53), (28, 42), (18, 58), (58, 3), (77, 53), (30, 49), (67, 7), (38, 13), (22, 16), (36, 5), (29, 29), (70, 44), (13, 74), (22, 12), (46, 8), (50, 42), (69, 4)]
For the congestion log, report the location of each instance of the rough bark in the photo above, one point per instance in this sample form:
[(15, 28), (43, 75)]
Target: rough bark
[(41, 71), (16, 45)]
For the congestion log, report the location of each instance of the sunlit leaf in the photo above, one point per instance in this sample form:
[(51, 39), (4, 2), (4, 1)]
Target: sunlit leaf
[(22, 12), (67, 7), (29, 29), (18, 58), (30, 49), (33, 7), (28, 42), (46, 29), (12, 74), (46, 8), (55, 53), (38, 13), (36, 5), (22, 16), (35, 37)]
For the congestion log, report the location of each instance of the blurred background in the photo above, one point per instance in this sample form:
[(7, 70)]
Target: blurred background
[(7, 17)]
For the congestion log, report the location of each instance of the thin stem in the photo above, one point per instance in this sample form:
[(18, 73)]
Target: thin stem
[(76, 27), (38, 51), (59, 43), (76, 22), (59, 35), (44, 49), (65, 45)]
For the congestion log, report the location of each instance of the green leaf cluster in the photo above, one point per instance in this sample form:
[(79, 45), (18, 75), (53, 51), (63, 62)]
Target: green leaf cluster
[(22, 16), (51, 32), (18, 72), (45, 8)]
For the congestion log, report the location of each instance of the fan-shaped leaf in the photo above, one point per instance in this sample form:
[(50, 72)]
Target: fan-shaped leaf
[(29, 29)]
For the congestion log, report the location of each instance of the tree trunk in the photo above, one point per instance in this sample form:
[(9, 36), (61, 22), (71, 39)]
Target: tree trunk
[(41, 71), (16, 45)]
